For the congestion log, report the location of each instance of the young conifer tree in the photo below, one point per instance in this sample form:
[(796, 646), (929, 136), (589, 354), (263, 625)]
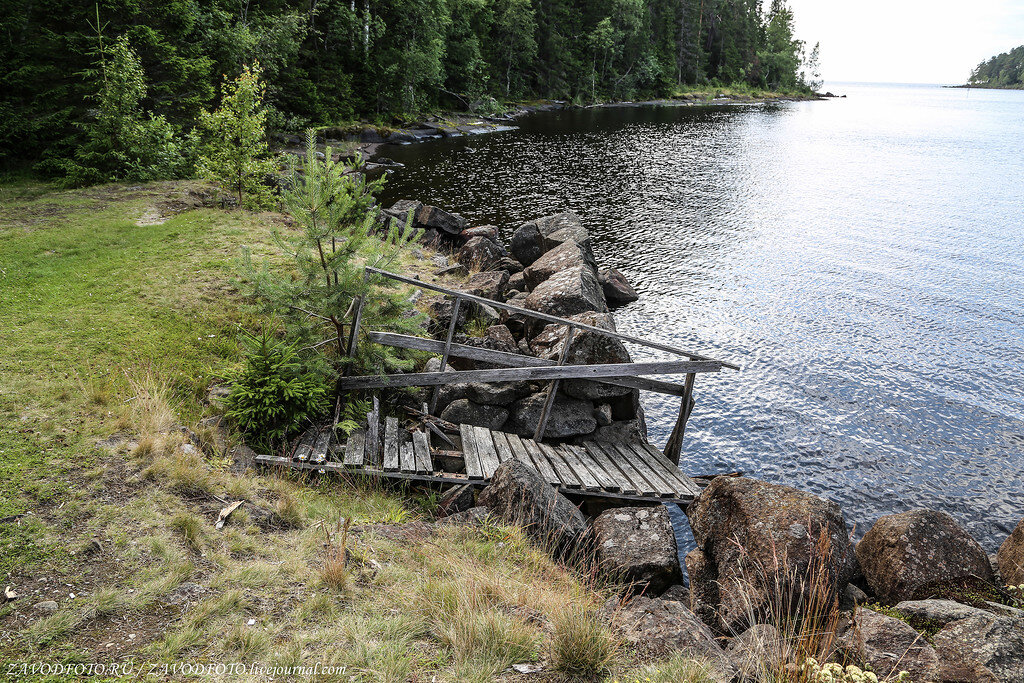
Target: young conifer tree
[(339, 234)]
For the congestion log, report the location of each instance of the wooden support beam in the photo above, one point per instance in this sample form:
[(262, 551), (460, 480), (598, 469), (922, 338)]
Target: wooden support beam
[(674, 447), (549, 399), (536, 373), (510, 360), (544, 316), (447, 348)]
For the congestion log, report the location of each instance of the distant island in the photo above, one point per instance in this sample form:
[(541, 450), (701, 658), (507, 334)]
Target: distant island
[(1002, 71)]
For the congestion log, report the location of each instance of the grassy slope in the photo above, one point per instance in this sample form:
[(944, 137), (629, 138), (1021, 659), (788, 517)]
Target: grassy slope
[(113, 328)]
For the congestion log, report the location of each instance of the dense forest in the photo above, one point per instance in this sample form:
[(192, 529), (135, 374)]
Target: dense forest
[(1002, 71), (326, 62)]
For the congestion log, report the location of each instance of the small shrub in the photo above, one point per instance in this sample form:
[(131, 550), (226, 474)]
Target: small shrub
[(274, 392), (336, 573), (581, 646)]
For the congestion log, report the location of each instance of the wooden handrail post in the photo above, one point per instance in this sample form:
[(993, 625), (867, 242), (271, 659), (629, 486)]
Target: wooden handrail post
[(674, 447), (549, 400), (447, 348)]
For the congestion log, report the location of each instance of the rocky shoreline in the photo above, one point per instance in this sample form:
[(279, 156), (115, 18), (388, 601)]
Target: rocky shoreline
[(917, 594)]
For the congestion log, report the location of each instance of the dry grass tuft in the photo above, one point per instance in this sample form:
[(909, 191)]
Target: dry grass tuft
[(191, 529), (336, 573), (581, 645)]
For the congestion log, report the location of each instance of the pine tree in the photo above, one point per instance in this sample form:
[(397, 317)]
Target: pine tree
[(341, 233)]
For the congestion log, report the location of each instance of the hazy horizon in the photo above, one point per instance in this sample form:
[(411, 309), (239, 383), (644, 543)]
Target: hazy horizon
[(908, 41)]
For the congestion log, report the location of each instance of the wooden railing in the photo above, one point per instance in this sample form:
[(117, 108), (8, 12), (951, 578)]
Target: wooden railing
[(517, 367)]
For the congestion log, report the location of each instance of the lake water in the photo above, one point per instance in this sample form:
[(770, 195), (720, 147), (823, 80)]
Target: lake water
[(862, 259)]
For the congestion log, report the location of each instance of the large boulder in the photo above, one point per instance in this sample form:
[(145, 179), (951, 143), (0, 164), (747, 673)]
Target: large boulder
[(586, 348), (887, 646), (490, 284), (637, 546), (480, 253), (982, 649), (655, 627), (531, 240), (1011, 557), (571, 291), (564, 256), (451, 224), (464, 411), (753, 537), (942, 611), (905, 552), (518, 495), (617, 290), (484, 393), (569, 417)]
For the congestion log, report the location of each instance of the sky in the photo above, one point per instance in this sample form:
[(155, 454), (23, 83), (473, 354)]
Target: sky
[(907, 41)]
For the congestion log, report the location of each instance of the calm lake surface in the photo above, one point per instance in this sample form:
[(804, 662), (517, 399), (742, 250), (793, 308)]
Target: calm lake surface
[(862, 259)]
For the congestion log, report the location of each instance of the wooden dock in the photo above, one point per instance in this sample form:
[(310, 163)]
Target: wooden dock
[(471, 454), (632, 471)]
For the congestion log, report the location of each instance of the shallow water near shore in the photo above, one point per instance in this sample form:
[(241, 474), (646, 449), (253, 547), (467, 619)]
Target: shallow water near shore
[(862, 259)]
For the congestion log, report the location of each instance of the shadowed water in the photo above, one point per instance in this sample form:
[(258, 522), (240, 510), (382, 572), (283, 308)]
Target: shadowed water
[(861, 259)]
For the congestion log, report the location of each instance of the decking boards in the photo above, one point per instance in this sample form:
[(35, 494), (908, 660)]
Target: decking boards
[(634, 471)]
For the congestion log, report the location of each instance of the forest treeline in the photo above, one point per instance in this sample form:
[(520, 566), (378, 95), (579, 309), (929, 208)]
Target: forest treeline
[(1002, 71), (325, 62)]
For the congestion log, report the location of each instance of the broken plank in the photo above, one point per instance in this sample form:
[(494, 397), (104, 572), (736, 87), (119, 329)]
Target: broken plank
[(355, 449), (502, 446), (421, 447), (305, 446), (319, 452), (474, 470), (372, 452), (391, 445), (486, 450), (406, 454)]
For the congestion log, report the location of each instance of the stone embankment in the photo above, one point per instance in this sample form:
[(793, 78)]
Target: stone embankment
[(916, 594)]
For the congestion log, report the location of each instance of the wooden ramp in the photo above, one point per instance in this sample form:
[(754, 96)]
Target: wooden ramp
[(632, 471)]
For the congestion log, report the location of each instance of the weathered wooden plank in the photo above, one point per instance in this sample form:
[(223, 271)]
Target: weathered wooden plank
[(549, 398), (447, 348), (622, 482), (355, 449), (406, 456), (640, 484), (319, 452), (306, 443), (372, 451), (502, 446), (540, 463), (661, 488), (675, 486), (604, 480), (674, 445), (391, 444), (277, 461), (535, 373), (542, 316), (687, 486), (511, 360), (474, 469), (488, 453), (582, 472), (421, 446), (566, 477)]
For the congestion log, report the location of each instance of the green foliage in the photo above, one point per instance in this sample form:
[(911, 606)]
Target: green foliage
[(338, 237), (235, 152), (328, 62), (1005, 70), (274, 392), (123, 142)]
